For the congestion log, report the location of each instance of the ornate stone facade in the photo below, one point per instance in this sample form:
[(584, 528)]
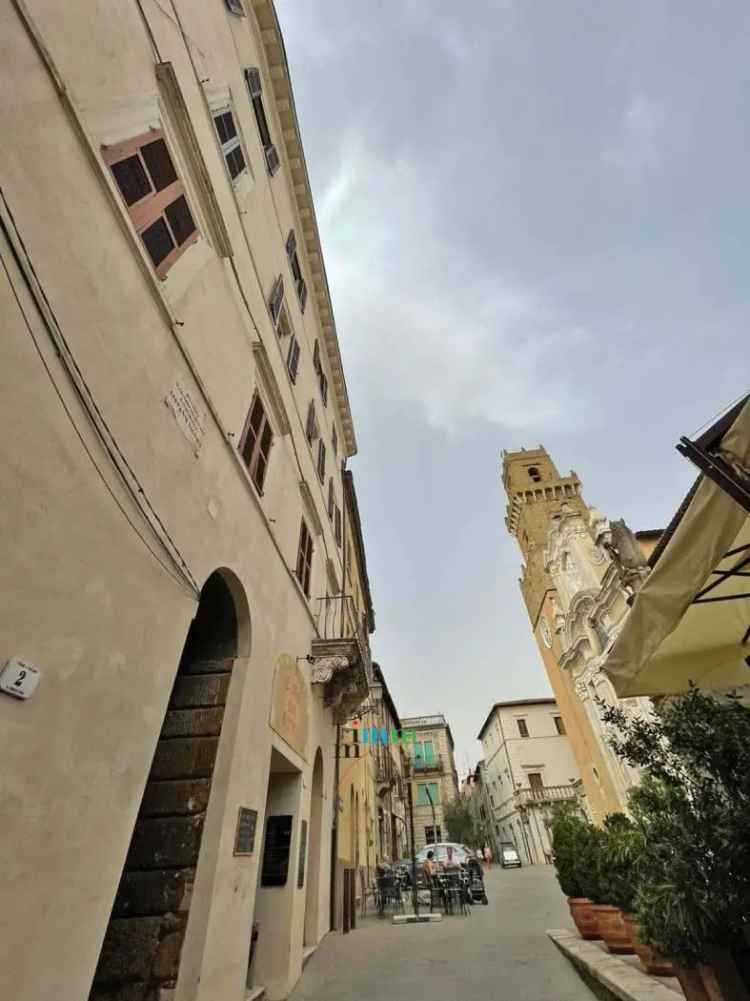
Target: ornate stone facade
[(580, 571)]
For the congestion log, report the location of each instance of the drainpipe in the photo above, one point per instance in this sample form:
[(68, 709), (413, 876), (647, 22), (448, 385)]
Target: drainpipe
[(334, 828)]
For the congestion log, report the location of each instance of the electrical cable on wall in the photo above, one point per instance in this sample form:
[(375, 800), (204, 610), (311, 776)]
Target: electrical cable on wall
[(85, 396)]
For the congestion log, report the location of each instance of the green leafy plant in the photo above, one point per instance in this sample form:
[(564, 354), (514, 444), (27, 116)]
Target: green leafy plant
[(460, 823), (692, 811), (573, 850), (620, 861)]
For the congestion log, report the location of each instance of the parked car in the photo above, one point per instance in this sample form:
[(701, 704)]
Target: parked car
[(509, 858)]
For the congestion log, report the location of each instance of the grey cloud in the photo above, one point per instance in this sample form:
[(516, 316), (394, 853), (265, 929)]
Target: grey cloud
[(535, 220)]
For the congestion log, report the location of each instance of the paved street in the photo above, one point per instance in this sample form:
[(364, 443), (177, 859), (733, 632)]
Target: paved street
[(499, 952)]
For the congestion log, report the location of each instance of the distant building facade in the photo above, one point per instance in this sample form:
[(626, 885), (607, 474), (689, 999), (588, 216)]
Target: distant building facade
[(476, 794), (580, 571), (434, 778), (528, 766)]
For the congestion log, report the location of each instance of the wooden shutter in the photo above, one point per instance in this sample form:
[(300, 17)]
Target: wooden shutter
[(316, 357), (302, 293), (252, 78), (334, 442), (276, 299), (324, 389), (304, 558), (292, 358), (321, 461), (291, 243), (337, 525), (256, 442), (331, 498), (311, 428), (272, 159)]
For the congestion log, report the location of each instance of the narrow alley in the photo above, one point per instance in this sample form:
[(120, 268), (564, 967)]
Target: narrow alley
[(500, 951)]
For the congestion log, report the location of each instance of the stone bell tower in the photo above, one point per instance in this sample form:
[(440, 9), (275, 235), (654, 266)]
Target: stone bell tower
[(536, 492), (538, 498)]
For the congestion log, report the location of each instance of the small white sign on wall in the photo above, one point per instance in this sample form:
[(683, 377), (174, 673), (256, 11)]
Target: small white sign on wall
[(19, 678), (190, 417)]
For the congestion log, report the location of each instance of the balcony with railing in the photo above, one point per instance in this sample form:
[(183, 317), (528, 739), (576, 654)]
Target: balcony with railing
[(539, 795), (340, 655), (423, 766)]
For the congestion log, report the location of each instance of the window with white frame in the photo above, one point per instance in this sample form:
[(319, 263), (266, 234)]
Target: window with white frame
[(229, 140)]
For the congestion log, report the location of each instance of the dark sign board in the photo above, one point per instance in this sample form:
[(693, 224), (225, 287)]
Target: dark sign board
[(302, 851), (244, 838), (276, 851)]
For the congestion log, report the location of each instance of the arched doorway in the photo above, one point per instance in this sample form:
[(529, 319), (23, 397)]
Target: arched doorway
[(312, 898), (140, 955)]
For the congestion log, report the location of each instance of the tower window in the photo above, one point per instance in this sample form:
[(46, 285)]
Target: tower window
[(534, 474)]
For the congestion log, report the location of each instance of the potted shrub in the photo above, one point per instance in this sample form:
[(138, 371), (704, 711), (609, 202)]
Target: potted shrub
[(693, 812), (618, 859), (570, 849)]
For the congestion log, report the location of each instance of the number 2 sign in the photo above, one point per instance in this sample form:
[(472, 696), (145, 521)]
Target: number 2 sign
[(19, 678)]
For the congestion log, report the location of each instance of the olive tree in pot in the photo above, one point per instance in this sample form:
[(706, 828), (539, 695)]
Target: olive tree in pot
[(693, 812), (571, 843)]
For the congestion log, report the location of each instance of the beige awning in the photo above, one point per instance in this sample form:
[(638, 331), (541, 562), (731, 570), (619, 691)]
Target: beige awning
[(687, 623)]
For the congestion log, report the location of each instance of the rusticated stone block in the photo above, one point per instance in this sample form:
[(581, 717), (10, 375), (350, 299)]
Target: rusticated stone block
[(200, 690), (167, 962), (129, 950), (165, 842), (178, 797), (126, 992), (207, 667), (153, 892), (193, 722), (185, 758)]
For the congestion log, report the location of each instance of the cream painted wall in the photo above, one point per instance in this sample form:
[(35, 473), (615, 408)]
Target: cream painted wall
[(84, 599)]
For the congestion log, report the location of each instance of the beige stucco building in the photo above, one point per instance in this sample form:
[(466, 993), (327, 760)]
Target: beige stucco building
[(580, 573), (176, 419), (528, 766), (433, 776)]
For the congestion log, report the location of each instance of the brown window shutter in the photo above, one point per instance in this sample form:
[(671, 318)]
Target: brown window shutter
[(316, 357), (276, 299), (252, 78)]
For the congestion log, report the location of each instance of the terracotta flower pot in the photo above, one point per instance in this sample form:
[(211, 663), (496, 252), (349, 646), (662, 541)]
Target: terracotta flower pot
[(651, 961), (698, 983), (612, 929), (600, 914), (585, 921)]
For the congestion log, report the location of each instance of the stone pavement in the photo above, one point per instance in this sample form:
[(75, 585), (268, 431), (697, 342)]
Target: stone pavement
[(498, 953)]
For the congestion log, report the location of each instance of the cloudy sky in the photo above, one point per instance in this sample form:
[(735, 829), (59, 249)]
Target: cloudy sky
[(535, 217)]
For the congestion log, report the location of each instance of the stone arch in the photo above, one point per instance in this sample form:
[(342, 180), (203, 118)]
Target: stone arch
[(315, 852), (140, 955)]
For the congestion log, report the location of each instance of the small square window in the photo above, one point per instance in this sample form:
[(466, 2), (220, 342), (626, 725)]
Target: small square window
[(180, 220), (158, 241), (157, 159), (132, 179)]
